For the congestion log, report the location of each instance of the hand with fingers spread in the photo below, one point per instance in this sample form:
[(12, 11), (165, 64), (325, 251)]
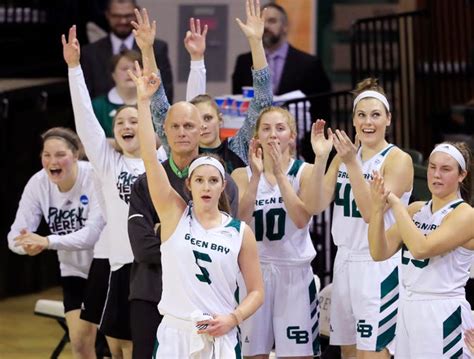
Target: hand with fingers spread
[(195, 39), (322, 146), (146, 84), (71, 48), (254, 26), (143, 31), (255, 157), (346, 149), (218, 326)]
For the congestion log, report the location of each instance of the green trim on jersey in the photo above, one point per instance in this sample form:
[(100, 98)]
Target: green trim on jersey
[(234, 223), (295, 168), (452, 328), (237, 294), (454, 205), (385, 151)]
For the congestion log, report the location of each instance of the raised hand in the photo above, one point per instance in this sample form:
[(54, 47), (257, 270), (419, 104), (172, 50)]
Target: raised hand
[(346, 149), (195, 40), (146, 84), (254, 26), (378, 192), (255, 157), (322, 146), (143, 31), (71, 48)]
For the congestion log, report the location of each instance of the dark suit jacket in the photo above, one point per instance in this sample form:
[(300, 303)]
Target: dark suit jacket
[(301, 71), (95, 62)]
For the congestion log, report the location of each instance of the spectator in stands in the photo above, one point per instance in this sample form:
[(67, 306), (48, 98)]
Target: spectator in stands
[(123, 93), (233, 150), (95, 58), (291, 69)]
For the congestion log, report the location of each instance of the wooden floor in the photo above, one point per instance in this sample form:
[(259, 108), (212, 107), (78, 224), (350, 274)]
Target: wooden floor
[(24, 335)]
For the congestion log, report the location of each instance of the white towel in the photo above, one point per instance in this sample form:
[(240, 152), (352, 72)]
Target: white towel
[(207, 346)]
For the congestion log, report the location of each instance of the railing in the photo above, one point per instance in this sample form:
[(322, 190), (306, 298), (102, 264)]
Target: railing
[(423, 60), (333, 107)]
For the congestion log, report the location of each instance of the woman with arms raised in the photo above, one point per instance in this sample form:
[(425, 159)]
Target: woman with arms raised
[(203, 249)]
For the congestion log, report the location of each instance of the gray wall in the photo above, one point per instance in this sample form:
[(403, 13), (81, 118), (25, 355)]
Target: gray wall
[(165, 12)]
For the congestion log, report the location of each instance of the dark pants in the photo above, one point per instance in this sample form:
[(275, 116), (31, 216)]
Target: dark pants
[(144, 321)]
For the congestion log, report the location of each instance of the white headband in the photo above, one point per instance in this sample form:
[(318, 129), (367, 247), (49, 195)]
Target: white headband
[(206, 160), (374, 94), (453, 152)]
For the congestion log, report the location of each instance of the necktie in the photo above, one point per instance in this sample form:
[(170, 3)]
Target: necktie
[(123, 47)]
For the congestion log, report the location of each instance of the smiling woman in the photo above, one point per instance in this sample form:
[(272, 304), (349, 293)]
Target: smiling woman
[(356, 293), (63, 192), (117, 172)]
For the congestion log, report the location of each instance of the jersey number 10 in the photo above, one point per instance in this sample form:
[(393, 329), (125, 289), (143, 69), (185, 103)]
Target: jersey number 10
[(274, 222)]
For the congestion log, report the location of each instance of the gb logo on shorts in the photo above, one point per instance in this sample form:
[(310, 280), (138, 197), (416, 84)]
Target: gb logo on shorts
[(365, 330), (301, 336)]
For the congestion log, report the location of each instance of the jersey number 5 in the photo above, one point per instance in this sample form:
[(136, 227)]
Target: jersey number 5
[(204, 276), (350, 207), (275, 220)]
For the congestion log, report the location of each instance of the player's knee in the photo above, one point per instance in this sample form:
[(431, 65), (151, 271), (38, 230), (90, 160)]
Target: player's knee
[(348, 352), (83, 347)]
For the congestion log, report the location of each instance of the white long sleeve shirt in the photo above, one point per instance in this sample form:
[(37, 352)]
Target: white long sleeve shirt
[(117, 172), (74, 218)]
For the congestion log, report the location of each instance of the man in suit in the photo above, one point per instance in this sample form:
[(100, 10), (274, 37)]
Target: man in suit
[(291, 69), (96, 57)]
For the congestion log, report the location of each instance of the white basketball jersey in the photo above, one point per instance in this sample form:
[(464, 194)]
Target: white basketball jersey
[(200, 267), (446, 274), (348, 227), (278, 239)]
